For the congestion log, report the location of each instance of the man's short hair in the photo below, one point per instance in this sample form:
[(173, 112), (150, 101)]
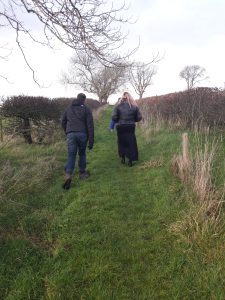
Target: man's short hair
[(81, 97)]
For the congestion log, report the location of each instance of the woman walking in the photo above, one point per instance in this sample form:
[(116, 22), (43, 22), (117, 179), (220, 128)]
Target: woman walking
[(126, 114)]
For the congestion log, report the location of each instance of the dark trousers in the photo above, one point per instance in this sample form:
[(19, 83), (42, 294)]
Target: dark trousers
[(77, 142)]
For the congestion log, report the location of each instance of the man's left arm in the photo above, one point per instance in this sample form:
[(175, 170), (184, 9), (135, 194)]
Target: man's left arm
[(64, 121), (90, 128)]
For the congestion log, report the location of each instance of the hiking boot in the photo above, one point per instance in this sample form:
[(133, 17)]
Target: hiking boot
[(123, 160), (67, 182), (130, 163), (84, 175)]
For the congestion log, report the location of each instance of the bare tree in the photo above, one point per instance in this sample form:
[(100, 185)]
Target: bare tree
[(141, 77), (193, 75), (87, 72), (92, 25)]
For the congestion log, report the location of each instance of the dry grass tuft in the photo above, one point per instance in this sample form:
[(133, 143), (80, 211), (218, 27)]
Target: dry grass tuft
[(25, 179), (150, 126), (203, 169), (153, 123), (206, 202), (195, 169), (154, 163), (202, 222)]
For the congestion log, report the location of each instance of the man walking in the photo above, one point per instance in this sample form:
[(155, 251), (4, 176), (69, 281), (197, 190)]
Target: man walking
[(77, 123)]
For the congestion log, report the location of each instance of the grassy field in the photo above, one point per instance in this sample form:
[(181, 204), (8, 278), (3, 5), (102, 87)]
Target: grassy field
[(107, 237)]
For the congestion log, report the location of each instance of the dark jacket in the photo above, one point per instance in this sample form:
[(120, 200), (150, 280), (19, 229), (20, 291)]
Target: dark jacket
[(124, 114), (78, 118)]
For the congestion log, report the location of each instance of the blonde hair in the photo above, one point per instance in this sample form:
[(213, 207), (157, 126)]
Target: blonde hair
[(128, 98)]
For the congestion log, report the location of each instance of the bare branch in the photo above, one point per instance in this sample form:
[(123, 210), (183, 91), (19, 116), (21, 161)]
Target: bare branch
[(24, 56), (5, 78), (92, 27), (4, 48)]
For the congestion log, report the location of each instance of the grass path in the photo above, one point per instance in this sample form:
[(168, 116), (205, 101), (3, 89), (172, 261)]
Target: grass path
[(117, 226), (108, 236)]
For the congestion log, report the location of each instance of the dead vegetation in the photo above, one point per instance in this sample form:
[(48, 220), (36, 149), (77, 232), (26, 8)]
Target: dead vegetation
[(194, 168), (153, 163)]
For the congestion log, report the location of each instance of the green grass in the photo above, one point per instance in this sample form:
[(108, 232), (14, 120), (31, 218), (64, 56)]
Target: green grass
[(107, 237)]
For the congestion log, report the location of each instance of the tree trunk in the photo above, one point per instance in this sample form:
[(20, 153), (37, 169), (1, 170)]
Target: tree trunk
[(103, 100), (140, 95), (26, 131)]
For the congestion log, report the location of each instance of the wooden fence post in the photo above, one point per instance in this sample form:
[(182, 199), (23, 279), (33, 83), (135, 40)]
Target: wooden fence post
[(1, 130), (185, 149)]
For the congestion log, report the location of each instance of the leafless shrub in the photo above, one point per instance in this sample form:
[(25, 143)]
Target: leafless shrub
[(200, 107)]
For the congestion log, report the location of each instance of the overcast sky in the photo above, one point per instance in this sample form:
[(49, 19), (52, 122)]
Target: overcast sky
[(185, 32)]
